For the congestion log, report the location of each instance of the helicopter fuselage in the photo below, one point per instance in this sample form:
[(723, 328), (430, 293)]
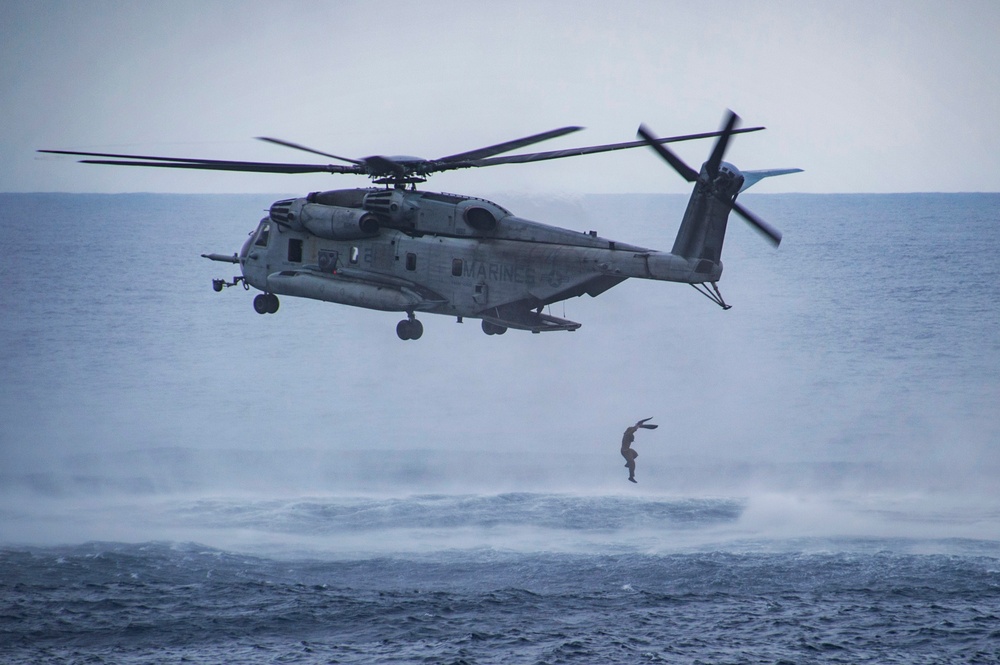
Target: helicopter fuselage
[(413, 251)]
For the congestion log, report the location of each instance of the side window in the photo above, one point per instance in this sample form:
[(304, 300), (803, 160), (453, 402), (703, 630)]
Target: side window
[(265, 231), (295, 250), (456, 267), (411, 261)]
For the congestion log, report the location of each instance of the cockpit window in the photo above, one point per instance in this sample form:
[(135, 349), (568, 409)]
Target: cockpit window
[(265, 231)]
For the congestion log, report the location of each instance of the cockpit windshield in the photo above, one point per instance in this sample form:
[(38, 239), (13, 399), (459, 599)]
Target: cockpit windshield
[(262, 234)]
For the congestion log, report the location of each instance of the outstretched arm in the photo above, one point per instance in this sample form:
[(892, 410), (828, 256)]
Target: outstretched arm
[(642, 424)]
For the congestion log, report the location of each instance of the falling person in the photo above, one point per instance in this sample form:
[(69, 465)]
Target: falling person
[(627, 438)]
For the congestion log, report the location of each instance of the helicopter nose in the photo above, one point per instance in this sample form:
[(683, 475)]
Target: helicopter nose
[(245, 250)]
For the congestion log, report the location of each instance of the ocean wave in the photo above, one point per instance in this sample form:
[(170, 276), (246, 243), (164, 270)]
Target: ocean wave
[(436, 511)]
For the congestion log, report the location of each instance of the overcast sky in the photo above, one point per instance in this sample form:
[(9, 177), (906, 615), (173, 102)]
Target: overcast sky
[(869, 96)]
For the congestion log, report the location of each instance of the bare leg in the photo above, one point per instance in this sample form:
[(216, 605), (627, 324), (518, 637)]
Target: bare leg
[(631, 465)]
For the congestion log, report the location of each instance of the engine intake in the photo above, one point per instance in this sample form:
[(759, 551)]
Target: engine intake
[(479, 218), (391, 206)]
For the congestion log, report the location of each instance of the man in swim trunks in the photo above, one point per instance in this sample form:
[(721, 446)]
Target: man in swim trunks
[(627, 438)]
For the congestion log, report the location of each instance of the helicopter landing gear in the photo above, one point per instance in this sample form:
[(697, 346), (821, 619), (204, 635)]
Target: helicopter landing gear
[(714, 294), (493, 329), (266, 303), (409, 328)]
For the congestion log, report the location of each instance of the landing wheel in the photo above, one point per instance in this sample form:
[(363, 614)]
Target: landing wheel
[(409, 329), (493, 329), (266, 303)]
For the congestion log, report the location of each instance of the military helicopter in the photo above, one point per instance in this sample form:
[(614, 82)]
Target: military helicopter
[(395, 248)]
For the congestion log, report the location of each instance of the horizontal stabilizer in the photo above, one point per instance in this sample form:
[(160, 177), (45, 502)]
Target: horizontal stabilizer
[(751, 178)]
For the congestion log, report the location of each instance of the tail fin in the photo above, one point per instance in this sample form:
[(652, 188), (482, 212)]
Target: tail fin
[(703, 228)]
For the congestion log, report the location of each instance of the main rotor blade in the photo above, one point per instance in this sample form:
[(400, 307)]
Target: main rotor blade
[(205, 164), (686, 171), (249, 167), (768, 231), (587, 150), (120, 156), (507, 146), (715, 160), (383, 165), (296, 146)]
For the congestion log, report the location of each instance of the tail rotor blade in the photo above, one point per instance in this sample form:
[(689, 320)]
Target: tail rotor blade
[(768, 231), (719, 151), (686, 171)]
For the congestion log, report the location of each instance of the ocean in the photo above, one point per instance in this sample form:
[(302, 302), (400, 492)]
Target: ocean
[(184, 480)]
